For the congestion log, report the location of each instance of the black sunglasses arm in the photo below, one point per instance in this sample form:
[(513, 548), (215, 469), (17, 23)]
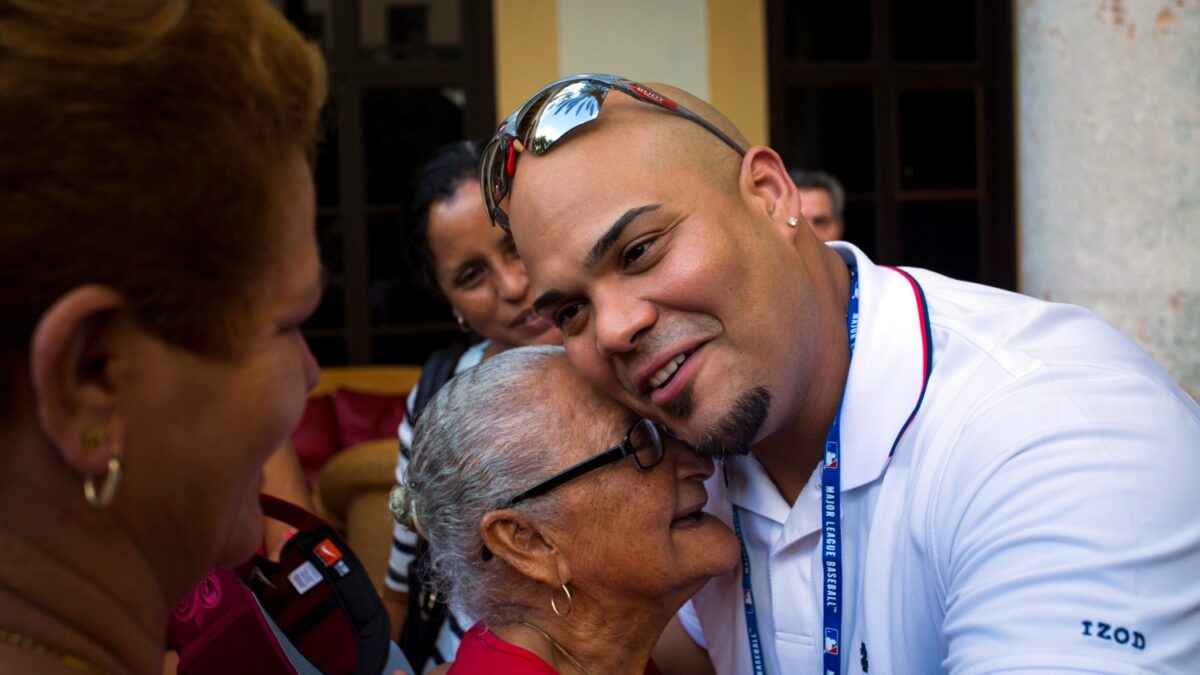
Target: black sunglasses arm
[(607, 457)]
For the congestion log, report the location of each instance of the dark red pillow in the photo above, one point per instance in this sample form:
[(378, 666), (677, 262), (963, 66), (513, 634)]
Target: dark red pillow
[(365, 417), (315, 438)]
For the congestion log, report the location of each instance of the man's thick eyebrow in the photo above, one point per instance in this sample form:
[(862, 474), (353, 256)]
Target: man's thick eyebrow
[(546, 299), (610, 237)]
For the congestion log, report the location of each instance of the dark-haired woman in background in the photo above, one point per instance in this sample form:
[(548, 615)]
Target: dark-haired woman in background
[(157, 256), (460, 257)]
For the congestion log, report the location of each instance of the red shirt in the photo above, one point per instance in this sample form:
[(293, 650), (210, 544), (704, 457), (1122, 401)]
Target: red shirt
[(482, 652)]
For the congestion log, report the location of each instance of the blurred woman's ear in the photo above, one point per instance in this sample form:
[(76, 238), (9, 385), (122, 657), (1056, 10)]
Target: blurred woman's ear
[(511, 537), (76, 353)]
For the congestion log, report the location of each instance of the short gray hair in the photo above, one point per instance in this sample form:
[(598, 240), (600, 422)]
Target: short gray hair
[(473, 449), (806, 179)]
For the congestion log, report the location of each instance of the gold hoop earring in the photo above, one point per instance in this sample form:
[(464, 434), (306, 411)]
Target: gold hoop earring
[(462, 323), (792, 221), (570, 602), (103, 496)]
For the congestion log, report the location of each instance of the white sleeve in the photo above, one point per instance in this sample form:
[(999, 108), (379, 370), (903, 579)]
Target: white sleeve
[(404, 548), (404, 540), (449, 636), (691, 624), (1065, 531), (405, 432)]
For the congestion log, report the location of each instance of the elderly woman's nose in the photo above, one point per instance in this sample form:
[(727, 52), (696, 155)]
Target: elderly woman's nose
[(689, 465)]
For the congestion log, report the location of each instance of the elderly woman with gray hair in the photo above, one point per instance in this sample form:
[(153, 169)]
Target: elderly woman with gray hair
[(571, 528)]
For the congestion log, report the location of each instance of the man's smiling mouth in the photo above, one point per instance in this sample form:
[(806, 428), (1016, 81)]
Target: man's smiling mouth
[(664, 374)]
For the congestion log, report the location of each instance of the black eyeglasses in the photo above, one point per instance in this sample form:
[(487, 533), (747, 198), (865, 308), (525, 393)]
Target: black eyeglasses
[(548, 115), (643, 443)]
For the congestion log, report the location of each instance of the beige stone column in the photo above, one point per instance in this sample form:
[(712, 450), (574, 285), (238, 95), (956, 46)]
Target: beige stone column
[(1108, 114)]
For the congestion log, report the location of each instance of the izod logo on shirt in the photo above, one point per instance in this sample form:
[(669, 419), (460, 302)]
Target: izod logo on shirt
[(1118, 634)]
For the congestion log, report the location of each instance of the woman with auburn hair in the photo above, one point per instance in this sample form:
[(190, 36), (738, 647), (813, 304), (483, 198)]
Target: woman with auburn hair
[(157, 256)]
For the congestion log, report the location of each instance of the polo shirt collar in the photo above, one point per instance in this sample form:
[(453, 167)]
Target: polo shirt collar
[(884, 386)]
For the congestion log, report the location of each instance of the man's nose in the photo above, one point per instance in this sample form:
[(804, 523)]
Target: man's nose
[(620, 319)]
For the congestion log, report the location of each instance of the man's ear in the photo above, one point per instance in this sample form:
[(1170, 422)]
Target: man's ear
[(766, 185), (511, 537), (75, 357)]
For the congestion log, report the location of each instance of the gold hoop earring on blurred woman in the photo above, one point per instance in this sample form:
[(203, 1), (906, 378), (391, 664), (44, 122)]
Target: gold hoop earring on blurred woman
[(94, 440)]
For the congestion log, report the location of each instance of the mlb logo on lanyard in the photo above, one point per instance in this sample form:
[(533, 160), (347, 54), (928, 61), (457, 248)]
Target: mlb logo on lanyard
[(831, 455), (831, 641)]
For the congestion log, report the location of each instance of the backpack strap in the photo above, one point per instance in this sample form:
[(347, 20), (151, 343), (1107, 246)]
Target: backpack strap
[(336, 619), (438, 370), (287, 512)]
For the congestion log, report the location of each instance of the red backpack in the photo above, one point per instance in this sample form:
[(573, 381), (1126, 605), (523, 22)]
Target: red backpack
[(314, 611)]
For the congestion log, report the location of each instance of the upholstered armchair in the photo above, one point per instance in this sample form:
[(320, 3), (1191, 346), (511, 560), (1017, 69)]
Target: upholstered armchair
[(347, 445)]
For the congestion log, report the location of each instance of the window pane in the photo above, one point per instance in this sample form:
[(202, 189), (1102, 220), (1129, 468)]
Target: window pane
[(401, 128), (942, 236), (331, 312), (832, 130), (411, 29), (414, 348), (827, 31), (937, 139), (326, 174), (396, 296), (311, 17), (329, 351), (860, 225), (936, 30)]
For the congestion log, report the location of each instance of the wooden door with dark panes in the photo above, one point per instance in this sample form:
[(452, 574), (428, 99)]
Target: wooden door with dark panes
[(405, 77), (910, 105)]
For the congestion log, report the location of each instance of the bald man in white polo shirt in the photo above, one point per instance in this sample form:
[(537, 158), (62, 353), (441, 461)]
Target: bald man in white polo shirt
[(926, 475)]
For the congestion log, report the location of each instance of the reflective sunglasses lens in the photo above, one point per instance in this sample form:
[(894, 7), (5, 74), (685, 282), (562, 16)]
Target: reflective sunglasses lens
[(493, 180), (487, 176), (646, 443), (543, 121), (567, 108)]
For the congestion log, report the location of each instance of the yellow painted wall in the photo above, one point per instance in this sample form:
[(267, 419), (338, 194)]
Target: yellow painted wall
[(528, 54), (737, 64), (644, 40), (526, 35)]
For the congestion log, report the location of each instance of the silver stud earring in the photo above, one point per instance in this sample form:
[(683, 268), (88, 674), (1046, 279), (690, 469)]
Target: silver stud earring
[(793, 221)]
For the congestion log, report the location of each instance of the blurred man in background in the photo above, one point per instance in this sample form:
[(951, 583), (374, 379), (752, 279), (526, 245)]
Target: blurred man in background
[(822, 203)]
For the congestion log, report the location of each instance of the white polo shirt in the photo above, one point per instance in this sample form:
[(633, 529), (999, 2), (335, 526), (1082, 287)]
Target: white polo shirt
[(1041, 511)]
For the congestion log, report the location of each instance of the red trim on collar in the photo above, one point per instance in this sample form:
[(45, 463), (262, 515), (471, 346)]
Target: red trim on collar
[(926, 348)]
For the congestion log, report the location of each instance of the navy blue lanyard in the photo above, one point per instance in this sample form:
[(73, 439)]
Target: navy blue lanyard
[(831, 489), (831, 525), (831, 508), (756, 655)]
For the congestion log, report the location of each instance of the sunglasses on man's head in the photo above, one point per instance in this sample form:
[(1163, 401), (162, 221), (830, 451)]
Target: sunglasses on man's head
[(549, 115)]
